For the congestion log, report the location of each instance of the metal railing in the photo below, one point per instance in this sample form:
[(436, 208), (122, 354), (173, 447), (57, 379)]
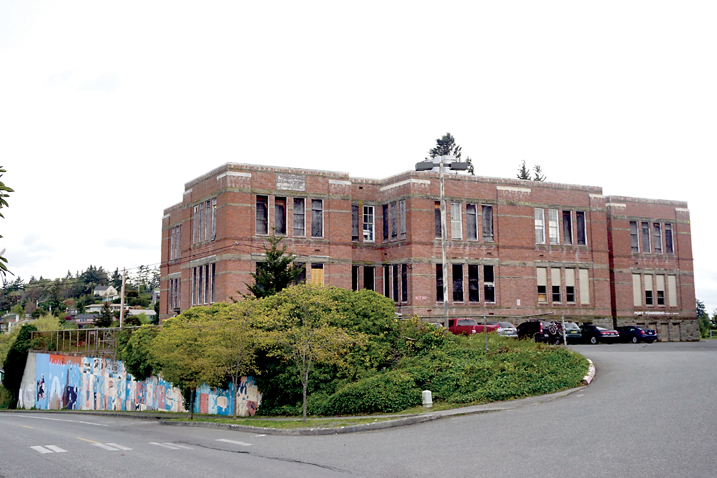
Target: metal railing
[(100, 342)]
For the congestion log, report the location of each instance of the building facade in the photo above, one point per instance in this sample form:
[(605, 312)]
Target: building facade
[(514, 248)]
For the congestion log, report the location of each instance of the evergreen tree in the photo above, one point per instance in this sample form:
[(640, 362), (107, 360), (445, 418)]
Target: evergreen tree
[(446, 146), (276, 273), (538, 174), (523, 172)]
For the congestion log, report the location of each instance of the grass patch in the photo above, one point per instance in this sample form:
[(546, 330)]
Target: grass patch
[(289, 423)]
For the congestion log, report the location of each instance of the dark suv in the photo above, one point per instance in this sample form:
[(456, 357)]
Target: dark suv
[(541, 331)]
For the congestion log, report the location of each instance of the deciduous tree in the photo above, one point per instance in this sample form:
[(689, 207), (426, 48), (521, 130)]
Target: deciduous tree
[(4, 193)]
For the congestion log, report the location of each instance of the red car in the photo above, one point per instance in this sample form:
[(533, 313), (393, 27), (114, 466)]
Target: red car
[(468, 326)]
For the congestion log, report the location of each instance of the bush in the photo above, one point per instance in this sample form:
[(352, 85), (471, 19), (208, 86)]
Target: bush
[(5, 398), (386, 392)]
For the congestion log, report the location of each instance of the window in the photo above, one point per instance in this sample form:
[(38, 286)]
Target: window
[(317, 218), (539, 226), (354, 277), (262, 215), (646, 237), (456, 221), (570, 285), (584, 286), (395, 282), (634, 238), (636, 290), (660, 283), (368, 224), (488, 223), (394, 222), (457, 283), (568, 228), (553, 226), (437, 218), (280, 216), (175, 242), (175, 294), (404, 282), (301, 278), (555, 284), (299, 217), (368, 278), (387, 281), (208, 220), (542, 284), (203, 284), (473, 291), (488, 284), (317, 273), (204, 226), (402, 217), (385, 222), (669, 247), (648, 290), (471, 222), (439, 283), (195, 225), (214, 218), (672, 290), (580, 222), (354, 223), (657, 237)]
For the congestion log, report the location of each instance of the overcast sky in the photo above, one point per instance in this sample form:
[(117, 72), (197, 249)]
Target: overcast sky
[(108, 108)]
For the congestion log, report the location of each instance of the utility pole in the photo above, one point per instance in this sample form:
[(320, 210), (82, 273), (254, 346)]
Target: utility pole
[(124, 275)]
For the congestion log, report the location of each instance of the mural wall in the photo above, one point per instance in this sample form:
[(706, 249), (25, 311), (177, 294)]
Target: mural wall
[(57, 382)]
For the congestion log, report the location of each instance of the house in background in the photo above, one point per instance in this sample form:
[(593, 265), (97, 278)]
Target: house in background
[(107, 292)]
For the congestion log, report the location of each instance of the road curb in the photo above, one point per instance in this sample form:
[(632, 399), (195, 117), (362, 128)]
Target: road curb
[(591, 373)]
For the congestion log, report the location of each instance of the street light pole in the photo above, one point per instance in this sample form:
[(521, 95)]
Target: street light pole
[(443, 245)]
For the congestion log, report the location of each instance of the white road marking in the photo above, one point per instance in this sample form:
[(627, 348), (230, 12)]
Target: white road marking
[(121, 447), (56, 449), (241, 443), (71, 421), (106, 447), (171, 446), (48, 449)]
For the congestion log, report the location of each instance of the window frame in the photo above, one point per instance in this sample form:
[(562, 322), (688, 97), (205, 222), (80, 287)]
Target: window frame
[(539, 220)]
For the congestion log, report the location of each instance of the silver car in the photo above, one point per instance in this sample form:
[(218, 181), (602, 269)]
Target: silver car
[(506, 329)]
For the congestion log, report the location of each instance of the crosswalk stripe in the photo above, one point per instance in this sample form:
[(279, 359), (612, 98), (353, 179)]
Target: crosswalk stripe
[(41, 449), (56, 449), (106, 447), (171, 446), (241, 443), (120, 447)]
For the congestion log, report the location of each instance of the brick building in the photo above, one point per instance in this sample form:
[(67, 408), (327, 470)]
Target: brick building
[(514, 248)]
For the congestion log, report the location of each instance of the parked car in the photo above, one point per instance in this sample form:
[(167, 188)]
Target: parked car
[(467, 326), (541, 331), (572, 332), (506, 329), (636, 334), (594, 334)]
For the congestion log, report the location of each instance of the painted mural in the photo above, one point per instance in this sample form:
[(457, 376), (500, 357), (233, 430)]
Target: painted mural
[(64, 382)]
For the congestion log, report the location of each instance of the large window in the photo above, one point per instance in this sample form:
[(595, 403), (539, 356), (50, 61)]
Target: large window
[(402, 218), (299, 217), (542, 277), (317, 273), (394, 221), (487, 223), (570, 285), (354, 278), (368, 278), (262, 215), (553, 226), (203, 284), (385, 223), (539, 226), (648, 290), (280, 216), (555, 284), (657, 237), (471, 222), (354, 222), (175, 242), (456, 221), (439, 283), (488, 284), (395, 282), (437, 218), (368, 224), (204, 226), (646, 238), (580, 223), (404, 283), (669, 246), (634, 238), (567, 227), (457, 283), (473, 285), (175, 294), (317, 218)]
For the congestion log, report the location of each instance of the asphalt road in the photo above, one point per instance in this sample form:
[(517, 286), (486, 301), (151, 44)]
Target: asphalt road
[(651, 411)]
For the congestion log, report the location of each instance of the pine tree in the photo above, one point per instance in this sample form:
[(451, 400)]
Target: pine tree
[(446, 146), (523, 172), (277, 272)]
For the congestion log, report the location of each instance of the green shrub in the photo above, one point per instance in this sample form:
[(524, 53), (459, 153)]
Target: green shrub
[(385, 392)]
